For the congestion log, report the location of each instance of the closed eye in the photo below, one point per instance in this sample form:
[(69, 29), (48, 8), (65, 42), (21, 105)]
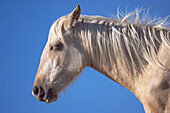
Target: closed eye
[(57, 47)]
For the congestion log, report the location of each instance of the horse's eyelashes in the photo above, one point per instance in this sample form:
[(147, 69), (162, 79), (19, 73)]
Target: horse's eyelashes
[(56, 47)]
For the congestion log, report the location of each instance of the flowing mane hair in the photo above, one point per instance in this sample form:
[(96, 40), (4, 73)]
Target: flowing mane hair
[(131, 39)]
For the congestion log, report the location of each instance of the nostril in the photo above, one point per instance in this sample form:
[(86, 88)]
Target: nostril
[(38, 92), (35, 91), (42, 93)]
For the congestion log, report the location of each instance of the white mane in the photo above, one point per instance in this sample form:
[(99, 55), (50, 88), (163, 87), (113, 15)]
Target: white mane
[(133, 41)]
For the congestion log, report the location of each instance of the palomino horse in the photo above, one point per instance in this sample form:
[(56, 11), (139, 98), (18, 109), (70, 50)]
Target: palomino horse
[(131, 52)]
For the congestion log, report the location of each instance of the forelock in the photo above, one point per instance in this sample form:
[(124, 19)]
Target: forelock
[(56, 31)]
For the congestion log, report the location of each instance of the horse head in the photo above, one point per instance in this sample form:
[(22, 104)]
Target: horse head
[(63, 58)]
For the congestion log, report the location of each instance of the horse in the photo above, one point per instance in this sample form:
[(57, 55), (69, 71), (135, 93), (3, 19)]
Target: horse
[(131, 51)]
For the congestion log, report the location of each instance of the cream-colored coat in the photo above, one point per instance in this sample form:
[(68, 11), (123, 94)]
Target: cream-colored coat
[(133, 54)]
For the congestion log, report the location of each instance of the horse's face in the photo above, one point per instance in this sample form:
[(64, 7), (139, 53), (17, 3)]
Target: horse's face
[(59, 64)]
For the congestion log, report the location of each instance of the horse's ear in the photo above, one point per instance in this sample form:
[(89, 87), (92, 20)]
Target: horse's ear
[(72, 18)]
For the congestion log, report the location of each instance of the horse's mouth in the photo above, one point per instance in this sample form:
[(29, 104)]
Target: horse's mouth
[(48, 99), (51, 96)]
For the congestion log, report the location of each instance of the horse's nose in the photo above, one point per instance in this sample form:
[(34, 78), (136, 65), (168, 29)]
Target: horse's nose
[(38, 92), (35, 91)]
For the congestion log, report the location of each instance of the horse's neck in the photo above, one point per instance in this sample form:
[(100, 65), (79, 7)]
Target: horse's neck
[(147, 85), (117, 72), (151, 86)]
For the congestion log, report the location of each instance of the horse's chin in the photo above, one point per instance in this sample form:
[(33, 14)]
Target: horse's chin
[(50, 100), (51, 97)]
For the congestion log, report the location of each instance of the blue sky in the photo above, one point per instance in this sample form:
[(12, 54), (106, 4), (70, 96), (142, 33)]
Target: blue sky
[(24, 27)]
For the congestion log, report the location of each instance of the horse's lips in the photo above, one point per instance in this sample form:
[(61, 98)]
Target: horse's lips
[(51, 97), (48, 100)]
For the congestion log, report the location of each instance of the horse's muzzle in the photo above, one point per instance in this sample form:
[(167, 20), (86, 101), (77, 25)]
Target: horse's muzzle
[(40, 94)]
